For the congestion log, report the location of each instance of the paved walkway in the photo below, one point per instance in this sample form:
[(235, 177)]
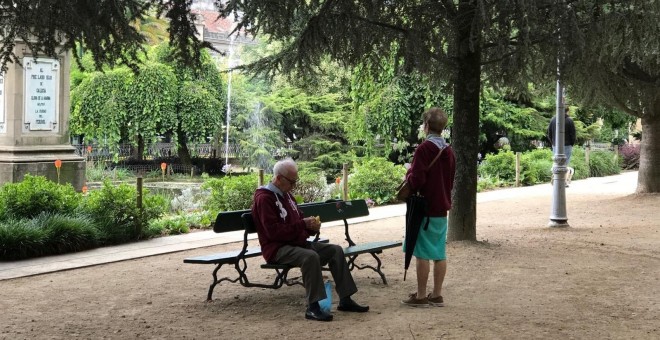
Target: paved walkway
[(622, 184)]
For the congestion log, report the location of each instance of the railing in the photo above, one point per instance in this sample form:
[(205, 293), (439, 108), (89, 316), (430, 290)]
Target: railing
[(153, 151)]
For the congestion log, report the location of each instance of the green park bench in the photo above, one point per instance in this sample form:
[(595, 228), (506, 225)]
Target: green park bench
[(328, 211)]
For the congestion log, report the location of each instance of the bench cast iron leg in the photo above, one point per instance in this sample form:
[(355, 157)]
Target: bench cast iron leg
[(209, 296), (351, 265)]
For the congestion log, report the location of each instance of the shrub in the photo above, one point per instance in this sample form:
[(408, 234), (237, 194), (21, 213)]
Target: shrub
[(311, 186), (34, 195), (377, 179), (579, 163), (189, 200), (169, 225), (603, 163), (67, 233), (629, 154), (230, 192), (501, 165), (179, 224), (536, 166), (486, 182), (114, 209), (19, 239)]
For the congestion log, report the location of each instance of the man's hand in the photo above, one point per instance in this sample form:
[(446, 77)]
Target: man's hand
[(312, 223)]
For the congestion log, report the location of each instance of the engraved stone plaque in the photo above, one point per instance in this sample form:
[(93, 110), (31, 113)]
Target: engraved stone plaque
[(42, 79)]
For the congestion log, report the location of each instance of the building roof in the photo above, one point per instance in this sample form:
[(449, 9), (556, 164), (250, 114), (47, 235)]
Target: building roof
[(213, 23)]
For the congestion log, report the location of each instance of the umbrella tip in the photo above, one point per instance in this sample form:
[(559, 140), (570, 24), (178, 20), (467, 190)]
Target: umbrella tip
[(405, 271)]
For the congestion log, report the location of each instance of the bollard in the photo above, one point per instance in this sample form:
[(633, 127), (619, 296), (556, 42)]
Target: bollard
[(139, 192), (345, 179), (261, 178), (518, 155)]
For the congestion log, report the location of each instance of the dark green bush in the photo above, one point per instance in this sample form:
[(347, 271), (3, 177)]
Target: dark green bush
[(66, 233), (230, 192), (311, 186), (20, 239), (35, 195), (376, 179)]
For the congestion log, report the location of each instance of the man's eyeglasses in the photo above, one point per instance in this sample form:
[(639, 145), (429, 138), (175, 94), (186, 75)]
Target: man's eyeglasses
[(292, 182)]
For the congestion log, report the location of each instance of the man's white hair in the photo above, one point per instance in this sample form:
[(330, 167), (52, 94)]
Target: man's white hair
[(284, 166)]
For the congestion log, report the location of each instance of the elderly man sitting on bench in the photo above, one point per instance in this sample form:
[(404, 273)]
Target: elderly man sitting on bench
[(283, 233)]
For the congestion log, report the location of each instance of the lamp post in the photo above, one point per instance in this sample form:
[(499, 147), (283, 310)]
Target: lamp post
[(231, 55), (558, 215)]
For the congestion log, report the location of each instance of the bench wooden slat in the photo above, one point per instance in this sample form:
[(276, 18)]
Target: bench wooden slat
[(229, 221), (336, 211), (226, 257), (369, 247), (231, 256)]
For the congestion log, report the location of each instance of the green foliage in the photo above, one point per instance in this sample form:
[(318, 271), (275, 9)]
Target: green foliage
[(199, 96), (46, 234), (165, 97), (67, 233), (487, 182), (34, 195), (98, 106), (179, 223), (579, 164), (536, 166), (375, 178), (20, 239), (311, 186), (315, 124), (501, 165), (502, 117), (114, 209), (99, 171), (388, 108), (230, 192), (169, 225), (603, 163)]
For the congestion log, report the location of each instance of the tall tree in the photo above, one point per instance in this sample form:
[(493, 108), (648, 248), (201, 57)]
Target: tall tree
[(105, 28), (457, 42), (616, 62)]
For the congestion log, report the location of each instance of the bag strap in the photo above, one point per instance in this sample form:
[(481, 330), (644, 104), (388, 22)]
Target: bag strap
[(436, 158)]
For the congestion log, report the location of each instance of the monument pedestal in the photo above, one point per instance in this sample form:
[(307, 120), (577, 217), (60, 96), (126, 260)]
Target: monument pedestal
[(34, 117), (16, 162)]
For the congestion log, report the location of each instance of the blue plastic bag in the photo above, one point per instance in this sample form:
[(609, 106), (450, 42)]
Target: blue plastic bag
[(326, 304)]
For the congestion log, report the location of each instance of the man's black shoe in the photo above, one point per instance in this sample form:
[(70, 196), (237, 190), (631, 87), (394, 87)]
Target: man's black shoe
[(348, 305), (317, 315)]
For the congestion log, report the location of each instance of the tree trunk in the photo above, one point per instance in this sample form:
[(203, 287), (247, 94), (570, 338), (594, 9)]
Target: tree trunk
[(138, 152), (648, 180), (182, 150), (465, 132)]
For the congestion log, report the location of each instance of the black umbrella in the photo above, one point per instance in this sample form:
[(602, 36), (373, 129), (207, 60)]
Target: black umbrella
[(415, 213)]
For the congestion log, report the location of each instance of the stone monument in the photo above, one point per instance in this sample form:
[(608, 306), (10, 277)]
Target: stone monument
[(34, 120)]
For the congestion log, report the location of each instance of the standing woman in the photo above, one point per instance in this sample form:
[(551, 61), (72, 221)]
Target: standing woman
[(435, 184)]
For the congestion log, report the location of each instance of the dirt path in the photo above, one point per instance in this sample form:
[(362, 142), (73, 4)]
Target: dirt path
[(598, 279)]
